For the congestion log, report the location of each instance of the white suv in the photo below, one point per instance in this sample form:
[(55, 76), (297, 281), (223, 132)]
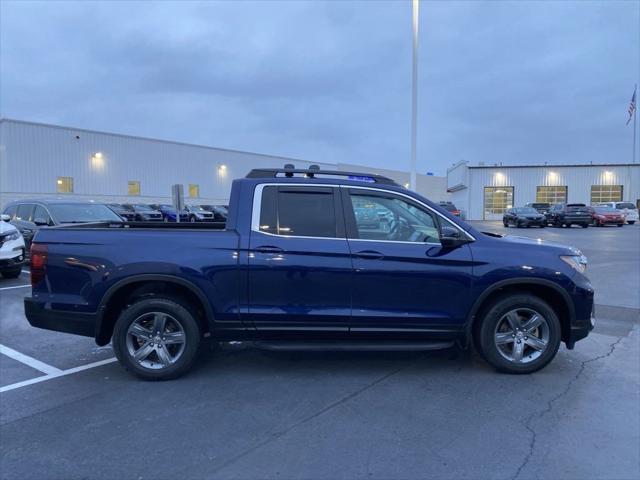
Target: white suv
[(629, 209), (11, 249)]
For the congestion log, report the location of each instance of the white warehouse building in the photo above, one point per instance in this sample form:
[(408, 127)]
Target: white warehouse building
[(485, 192), (40, 160)]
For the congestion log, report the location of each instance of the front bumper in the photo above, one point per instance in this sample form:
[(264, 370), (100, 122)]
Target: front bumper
[(532, 222), (13, 263), (58, 320)]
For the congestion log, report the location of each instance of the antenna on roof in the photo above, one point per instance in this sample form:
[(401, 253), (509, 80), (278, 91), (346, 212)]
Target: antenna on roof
[(289, 166)]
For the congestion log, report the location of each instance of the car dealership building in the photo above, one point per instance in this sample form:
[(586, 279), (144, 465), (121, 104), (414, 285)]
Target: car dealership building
[(39, 160), (484, 192)]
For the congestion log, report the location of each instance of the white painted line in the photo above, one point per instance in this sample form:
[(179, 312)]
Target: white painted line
[(61, 373), (26, 271), (17, 286), (30, 361)]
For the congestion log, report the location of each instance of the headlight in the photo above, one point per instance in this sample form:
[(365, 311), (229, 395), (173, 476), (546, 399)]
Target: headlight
[(579, 262)]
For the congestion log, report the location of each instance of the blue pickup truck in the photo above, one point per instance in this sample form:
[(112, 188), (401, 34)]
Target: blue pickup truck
[(296, 267)]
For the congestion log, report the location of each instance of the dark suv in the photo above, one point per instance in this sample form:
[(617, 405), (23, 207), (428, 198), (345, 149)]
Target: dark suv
[(567, 214), (30, 215)]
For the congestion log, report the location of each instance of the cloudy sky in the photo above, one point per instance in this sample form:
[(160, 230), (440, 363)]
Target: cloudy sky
[(500, 81)]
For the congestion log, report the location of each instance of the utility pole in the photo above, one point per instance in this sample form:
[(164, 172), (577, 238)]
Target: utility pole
[(414, 95)]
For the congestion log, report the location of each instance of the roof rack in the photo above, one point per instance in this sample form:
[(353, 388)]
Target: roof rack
[(289, 171)]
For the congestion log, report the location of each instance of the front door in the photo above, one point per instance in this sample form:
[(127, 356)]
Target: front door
[(299, 261), (404, 279)]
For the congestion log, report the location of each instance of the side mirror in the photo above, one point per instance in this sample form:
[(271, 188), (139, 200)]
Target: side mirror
[(450, 237), (5, 218), (41, 222)]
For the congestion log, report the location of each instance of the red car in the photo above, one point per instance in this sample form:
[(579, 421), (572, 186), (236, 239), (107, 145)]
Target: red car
[(607, 216)]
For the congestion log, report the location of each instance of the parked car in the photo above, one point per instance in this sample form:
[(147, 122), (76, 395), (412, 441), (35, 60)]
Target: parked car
[(605, 215), (524, 217), (122, 212), (567, 214), (198, 214), (220, 212), (541, 207), (143, 213), (12, 249), (31, 215), (169, 213), (293, 269), (629, 210), (450, 207)]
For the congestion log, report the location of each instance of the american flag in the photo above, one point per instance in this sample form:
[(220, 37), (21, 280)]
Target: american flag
[(632, 107)]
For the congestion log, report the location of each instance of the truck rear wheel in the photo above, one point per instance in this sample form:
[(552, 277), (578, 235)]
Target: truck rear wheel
[(157, 338), (520, 333), (15, 273)]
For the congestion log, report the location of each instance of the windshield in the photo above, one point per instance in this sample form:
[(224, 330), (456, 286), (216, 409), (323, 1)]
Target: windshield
[(540, 205), (147, 208), (525, 210), (82, 213), (196, 208)]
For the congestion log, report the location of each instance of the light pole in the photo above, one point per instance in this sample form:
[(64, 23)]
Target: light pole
[(414, 94)]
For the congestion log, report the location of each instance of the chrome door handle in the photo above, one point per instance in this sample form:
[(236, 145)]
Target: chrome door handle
[(269, 249)]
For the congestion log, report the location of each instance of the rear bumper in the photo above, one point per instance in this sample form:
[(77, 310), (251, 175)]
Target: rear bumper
[(68, 322)]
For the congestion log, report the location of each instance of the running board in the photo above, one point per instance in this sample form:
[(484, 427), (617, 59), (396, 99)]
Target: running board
[(322, 346)]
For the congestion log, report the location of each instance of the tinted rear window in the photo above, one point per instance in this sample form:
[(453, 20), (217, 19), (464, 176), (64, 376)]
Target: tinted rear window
[(301, 212)]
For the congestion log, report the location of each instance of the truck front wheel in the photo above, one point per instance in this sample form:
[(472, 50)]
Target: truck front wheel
[(520, 333), (157, 338)]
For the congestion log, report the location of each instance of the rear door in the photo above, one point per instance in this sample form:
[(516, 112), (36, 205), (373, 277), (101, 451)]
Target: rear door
[(299, 276), (404, 279)]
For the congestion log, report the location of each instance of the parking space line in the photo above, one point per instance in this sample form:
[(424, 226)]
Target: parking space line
[(61, 373), (30, 361), (16, 286), (26, 271)]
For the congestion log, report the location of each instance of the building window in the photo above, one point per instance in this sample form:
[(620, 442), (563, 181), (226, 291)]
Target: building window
[(194, 190), (134, 187), (556, 194), (65, 185), (496, 201), (606, 193)]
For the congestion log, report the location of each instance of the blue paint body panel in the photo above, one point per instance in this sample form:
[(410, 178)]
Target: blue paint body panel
[(255, 284)]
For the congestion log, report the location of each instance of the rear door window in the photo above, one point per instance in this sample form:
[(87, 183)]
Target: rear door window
[(299, 211), (40, 213)]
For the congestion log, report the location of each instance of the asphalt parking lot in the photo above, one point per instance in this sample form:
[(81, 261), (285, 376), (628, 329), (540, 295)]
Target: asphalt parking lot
[(67, 411)]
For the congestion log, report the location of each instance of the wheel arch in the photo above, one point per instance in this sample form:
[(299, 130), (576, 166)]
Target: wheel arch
[(547, 290), (118, 296)]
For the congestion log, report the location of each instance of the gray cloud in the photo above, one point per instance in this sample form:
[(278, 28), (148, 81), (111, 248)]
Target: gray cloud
[(513, 82)]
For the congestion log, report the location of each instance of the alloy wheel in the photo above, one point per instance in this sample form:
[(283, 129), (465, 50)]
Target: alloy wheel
[(155, 340), (522, 335)]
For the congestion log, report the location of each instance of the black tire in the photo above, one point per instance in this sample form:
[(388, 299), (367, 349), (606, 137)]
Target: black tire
[(12, 273), (542, 225), (506, 225), (620, 224), (631, 222), (558, 223), (585, 225), (486, 332), (192, 219), (179, 312)]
